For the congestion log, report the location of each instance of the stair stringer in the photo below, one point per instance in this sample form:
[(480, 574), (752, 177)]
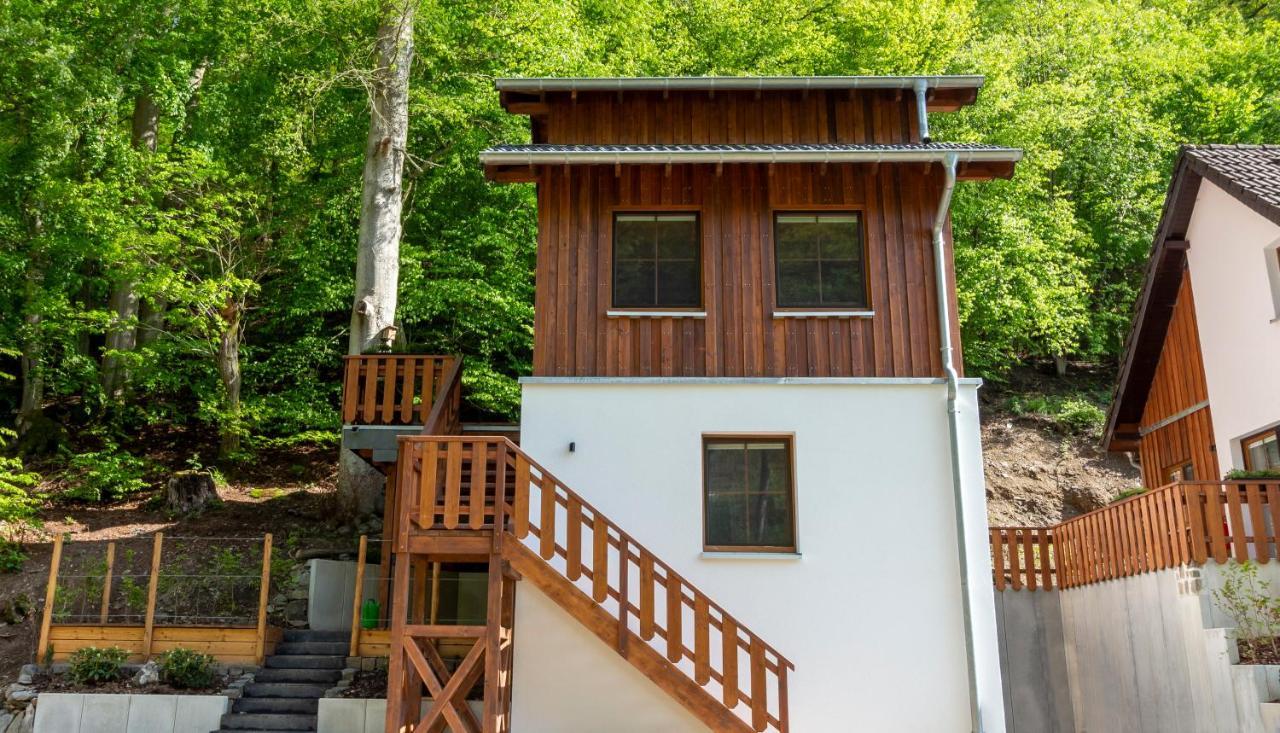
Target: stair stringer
[(643, 657)]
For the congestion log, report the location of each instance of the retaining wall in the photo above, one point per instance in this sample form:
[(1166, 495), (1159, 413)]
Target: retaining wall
[(1033, 662), (92, 713)]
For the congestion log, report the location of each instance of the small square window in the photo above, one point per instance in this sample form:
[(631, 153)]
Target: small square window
[(749, 498), (657, 261), (1262, 451), (820, 262)]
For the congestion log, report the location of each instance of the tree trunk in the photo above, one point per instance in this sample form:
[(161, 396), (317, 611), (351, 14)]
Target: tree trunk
[(373, 313), (378, 251), (122, 337), (229, 372), (31, 403), (151, 319)]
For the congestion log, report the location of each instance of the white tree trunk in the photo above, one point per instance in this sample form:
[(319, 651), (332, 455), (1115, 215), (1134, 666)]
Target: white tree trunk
[(378, 253), (122, 336)]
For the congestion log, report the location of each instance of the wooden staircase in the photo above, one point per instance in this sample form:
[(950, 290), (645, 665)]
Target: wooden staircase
[(472, 498)]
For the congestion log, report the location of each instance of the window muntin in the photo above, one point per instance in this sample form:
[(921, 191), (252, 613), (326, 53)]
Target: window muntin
[(749, 501), (1183, 472), (657, 260), (1262, 451), (820, 260)]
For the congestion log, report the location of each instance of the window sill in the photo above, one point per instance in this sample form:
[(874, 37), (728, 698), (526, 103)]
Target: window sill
[(825, 314), (654, 314), (726, 555)]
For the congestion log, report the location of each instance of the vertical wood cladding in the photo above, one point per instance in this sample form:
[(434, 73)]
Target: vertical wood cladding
[(739, 336), (818, 116), (1178, 385)]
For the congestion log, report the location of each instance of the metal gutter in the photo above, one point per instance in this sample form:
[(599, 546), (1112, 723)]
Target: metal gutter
[(708, 154), (748, 83), (953, 430)]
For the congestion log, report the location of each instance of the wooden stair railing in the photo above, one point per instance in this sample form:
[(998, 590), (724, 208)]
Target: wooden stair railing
[(671, 631), (393, 389)]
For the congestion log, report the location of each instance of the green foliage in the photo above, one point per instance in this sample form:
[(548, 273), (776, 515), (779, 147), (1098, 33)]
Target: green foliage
[(104, 475), (17, 505), (12, 557), (1129, 492), (1072, 414), (1248, 599), (92, 665), (1239, 474), (187, 669)]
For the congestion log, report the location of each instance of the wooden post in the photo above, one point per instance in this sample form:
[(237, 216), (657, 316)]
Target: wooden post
[(264, 592), (492, 644), (50, 594), (149, 626), (397, 673), (419, 592), (106, 583), (356, 595), (435, 593)]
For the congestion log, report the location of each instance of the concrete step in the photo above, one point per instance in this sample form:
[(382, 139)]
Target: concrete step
[(310, 635), (297, 706), (327, 648), (267, 721), (298, 675), (285, 689), (306, 661)]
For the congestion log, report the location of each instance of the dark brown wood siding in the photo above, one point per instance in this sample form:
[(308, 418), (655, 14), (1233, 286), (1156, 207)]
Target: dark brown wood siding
[(823, 116), (573, 336), (1179, 385)]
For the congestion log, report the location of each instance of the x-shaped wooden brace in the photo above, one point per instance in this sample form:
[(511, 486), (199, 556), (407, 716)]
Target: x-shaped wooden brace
[(448, 699)]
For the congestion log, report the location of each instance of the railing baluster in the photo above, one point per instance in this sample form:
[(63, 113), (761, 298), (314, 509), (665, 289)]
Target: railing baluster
[(701, 640), (675, 617), (1261, 549), (1273, 503), (729, 660), (997, 557), (547, 520), (453, 485), (369, 386), (759, 696), (599, 558), (406, 389), (429, 456), (573, 538), (388, 374), (351, 390), (646, 596), (479, 482), (1015, 562), (1237, 522), (520, 506), (1029, 559)]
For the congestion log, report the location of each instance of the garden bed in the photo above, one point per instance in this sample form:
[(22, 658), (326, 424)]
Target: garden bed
[(368, 685), (1259, 651), (46, 682)]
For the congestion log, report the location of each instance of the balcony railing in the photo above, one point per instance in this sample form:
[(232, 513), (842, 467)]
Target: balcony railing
[(393, 389)]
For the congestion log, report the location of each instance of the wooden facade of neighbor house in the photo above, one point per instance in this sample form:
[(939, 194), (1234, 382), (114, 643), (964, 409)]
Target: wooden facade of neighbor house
[(1196, 394), (736, 360)]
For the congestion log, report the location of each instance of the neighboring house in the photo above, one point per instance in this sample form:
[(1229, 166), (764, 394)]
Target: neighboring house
[(748, 492), (1198, 393)]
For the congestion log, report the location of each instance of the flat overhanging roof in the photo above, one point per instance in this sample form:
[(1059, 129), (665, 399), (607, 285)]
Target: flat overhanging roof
[(978, 161), (945, 92)]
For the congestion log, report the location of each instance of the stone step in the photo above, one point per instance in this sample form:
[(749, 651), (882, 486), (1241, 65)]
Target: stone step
[(326, 648), (306, 661), (310, 635), (285, 689), (268, 721), (297, 706), (298, 675)]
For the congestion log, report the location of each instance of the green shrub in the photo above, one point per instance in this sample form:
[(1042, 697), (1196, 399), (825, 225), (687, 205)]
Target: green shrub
[(17, 506), (91, 665), (1075, 414), (12, 556), (187, 669), (1126, 493), (1242, 475), (105, 475)]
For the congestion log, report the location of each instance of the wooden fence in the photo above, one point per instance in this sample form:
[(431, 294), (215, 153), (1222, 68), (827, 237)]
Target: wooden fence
[(392, 389), (1190, 522), (243, 643), (1023, 557)]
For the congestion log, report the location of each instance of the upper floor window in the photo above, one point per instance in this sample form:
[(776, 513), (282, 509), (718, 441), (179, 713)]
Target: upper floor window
[(1262, 451), (657, 260), (1183, 472), (820, 261), (748, 500)]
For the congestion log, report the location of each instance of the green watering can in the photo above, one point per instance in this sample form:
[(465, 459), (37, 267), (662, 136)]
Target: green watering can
[(369, 614)]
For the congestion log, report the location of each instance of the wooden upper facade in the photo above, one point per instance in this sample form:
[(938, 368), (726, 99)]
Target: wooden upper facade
[(736, 164)]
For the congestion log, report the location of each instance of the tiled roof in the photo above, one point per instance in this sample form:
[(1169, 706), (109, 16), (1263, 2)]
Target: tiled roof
[(1251, 173)]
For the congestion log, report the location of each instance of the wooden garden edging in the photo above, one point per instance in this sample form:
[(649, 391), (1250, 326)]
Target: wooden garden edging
[(228, 644), (1190, 522)]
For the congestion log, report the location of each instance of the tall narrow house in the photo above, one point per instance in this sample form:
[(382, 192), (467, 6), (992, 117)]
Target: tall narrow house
[(748, 491)]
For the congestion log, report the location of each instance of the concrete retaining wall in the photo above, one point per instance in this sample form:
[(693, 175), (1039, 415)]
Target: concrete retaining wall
[(87, 713), (358, 715), (1033, 662)]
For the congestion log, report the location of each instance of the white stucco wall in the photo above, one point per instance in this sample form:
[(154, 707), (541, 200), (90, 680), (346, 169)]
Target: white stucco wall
[(869, 611), (1239, 334)]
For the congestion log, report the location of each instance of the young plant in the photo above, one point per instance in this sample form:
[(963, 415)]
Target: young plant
[(1248, 599), (91, 665), (187, 669)]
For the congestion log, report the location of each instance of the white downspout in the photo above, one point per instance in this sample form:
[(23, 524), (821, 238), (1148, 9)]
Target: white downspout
[(949, 369)]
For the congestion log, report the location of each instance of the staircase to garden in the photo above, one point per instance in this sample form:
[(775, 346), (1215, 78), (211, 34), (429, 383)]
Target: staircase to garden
[(285, 693)]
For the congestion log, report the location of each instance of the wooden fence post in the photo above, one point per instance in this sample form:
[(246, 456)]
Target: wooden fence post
[(264, 592), (50, 595), (106, 583), (149, 626), (356, 626)]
